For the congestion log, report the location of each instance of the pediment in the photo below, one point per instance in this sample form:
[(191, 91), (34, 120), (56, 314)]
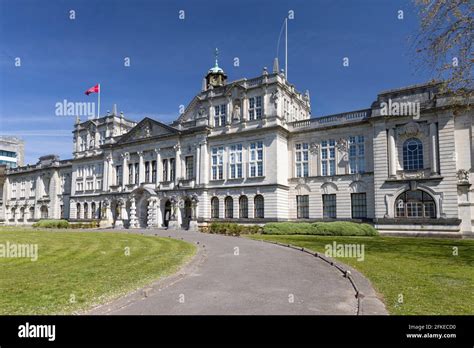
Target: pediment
[(148, 128)]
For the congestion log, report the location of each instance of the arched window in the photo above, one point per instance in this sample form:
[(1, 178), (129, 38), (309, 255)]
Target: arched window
[(93, 210), (415, 204), (86, 211), (243, 207), (78, 210), (229, 207), (412, 154), (215, 208), (32, 213), (258, 207)]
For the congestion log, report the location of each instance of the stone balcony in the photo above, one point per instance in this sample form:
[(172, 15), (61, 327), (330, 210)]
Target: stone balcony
[(331, 120)]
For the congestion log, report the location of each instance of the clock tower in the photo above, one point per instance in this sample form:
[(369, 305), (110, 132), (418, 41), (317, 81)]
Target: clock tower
[(215, 77)]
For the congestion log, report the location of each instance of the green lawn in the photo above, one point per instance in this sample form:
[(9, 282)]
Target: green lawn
[(427, 274), (76, 270)]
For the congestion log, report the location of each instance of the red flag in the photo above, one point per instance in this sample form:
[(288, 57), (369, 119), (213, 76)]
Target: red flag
[(94, 89)]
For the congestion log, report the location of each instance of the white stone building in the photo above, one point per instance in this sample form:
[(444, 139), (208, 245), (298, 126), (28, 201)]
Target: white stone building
[(249, 151)]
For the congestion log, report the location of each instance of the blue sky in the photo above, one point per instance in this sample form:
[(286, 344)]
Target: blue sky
[(61, 58)]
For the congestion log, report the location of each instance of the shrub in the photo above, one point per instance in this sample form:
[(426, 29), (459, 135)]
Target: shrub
[(336, 228), (51, 224), (230, 228), (91, 224)]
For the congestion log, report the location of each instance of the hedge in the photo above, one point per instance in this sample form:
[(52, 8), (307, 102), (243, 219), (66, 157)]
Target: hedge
[(230, 228), (336, 228), (51, 224), (65, 224)]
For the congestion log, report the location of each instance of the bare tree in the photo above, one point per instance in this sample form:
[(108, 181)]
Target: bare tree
[(445, 41)]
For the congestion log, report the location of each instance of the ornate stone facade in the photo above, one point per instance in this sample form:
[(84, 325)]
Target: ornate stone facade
[(248, 151)]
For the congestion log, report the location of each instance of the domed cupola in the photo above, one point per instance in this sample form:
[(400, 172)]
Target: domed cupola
[(216, 77)]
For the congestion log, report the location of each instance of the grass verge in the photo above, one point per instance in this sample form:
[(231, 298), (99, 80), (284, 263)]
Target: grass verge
[(77, 270)]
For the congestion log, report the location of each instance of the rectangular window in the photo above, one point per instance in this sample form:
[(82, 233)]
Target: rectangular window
[(165, 170), (359, 205), (220, 115), (301, 160), (172, 169), (99, 185), (153, 171), (302, 206), (118, 175), (328, 157), (130, 173), (89, 185), (356, 154), (137, 173), (189, 167), (255, 108), (217, 163), (256, 159), (329, 206), (235, 161), (22, 189), (79, 186), (102, 138), (147, 171)]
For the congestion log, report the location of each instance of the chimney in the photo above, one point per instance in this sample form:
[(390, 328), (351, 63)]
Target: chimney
[(114, 110)]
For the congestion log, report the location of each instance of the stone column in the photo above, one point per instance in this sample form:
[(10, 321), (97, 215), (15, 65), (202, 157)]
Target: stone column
[(150, 171), (133, 174), (245, 108), (205, 163), (434, 148), (159, 215), (15, 216), (133, 214), (25, 214), (151, 213), (105, 176), (198, 164), (158, 166), (391, 153), (177, 162), (125, 159), (141, 168)]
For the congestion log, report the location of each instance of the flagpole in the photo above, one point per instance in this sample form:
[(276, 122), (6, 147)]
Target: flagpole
[(286, 48), (98, 102)]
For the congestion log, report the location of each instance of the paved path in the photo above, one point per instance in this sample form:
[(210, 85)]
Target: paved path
[(261, 279)]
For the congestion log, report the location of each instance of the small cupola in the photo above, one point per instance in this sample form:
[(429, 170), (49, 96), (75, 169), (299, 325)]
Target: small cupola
[(215, 77)]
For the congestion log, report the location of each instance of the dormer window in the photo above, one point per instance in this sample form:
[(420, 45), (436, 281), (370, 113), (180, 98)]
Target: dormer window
[(255, 108), (220, 115)]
